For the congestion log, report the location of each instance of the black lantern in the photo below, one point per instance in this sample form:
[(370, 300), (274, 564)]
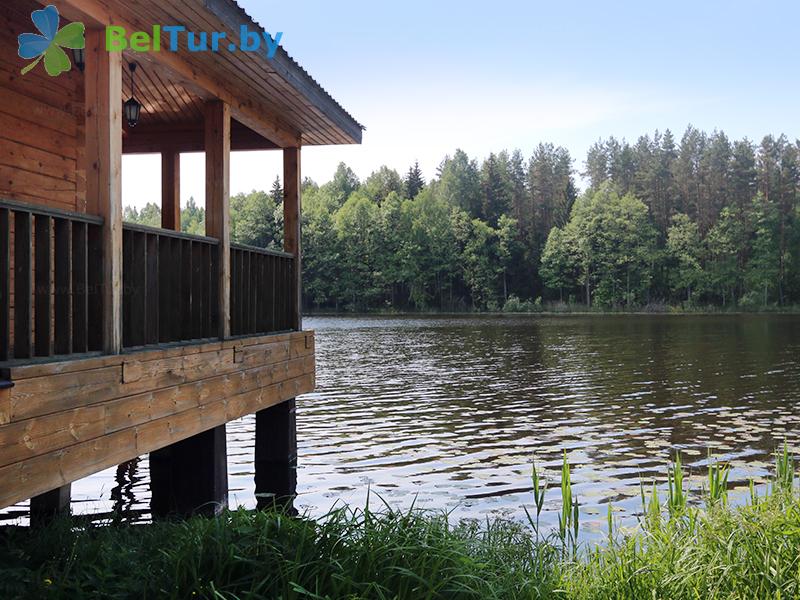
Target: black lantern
[(132, 107), (79, 57)]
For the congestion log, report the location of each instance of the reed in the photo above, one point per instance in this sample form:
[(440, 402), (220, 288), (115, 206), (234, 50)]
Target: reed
[(680, 551)]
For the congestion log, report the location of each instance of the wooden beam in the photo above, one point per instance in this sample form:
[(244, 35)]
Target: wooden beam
[(218, 154), (155, 139), (171, 190), (291, 226), (103, 81)]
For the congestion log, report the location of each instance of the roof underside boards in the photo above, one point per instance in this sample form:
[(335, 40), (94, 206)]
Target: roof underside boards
[(277, 91)]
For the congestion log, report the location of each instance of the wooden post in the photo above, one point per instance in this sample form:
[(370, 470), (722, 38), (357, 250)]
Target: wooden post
[(276, 427), (103, 93), (276, 456), (171, 190), (218, 154), (291, 226), (191, 476), (49, 505)]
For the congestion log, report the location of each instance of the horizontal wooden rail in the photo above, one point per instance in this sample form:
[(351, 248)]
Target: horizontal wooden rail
[(51, 265), (261, 290), (169, 286)]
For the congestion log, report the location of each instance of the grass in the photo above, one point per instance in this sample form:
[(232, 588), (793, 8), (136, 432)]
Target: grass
[(680, 550)]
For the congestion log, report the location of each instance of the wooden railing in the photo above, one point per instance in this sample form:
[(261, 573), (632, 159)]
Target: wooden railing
[(51, 287), (51, 265), (170, 286), (261, 290)]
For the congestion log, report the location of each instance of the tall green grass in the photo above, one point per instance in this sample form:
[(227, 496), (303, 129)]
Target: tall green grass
[(682, 550)]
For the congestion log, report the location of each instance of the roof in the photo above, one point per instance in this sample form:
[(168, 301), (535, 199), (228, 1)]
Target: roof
[(291, 66), (275, 98)]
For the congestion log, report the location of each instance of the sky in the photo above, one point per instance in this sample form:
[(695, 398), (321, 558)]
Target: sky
[(428, 77)]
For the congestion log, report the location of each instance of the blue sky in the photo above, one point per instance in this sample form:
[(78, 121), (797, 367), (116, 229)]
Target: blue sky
[(428, 77)]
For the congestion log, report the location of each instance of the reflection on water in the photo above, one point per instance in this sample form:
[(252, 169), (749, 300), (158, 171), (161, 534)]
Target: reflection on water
[(450, 412)]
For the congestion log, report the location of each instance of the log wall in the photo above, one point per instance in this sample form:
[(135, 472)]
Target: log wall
[(41, 123)]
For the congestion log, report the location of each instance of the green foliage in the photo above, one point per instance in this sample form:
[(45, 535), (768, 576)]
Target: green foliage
[(765, 263), (515, 305), (701, 222), (381, 183), (150, 215), (193, 218), (719, 552), (413, 182), (684, 248), (612, 242), (253, 218)]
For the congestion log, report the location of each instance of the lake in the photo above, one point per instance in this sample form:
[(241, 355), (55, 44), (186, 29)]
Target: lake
[(450, 412)]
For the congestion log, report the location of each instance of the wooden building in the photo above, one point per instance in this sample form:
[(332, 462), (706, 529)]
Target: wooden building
[(119, 340)]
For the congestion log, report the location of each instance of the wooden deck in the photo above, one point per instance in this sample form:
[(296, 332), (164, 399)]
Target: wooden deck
[(63, 421)]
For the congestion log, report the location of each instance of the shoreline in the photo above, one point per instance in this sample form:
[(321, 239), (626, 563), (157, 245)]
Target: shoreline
[(544, 313)]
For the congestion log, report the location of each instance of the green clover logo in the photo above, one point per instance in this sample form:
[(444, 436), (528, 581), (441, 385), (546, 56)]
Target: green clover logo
[(49, 44)]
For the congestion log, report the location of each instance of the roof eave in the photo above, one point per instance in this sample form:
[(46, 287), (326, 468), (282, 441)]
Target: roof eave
[(234, 16)]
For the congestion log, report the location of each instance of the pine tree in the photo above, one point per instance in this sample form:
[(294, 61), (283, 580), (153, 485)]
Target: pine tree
[(276, 193), (495, 189), (413, 182)]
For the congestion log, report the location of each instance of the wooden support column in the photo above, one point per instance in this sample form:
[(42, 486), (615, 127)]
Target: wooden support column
[(171, 190), (276, 427), (55, 503), (291, 227), (103, 92), (276, 456), (191, 476), (218, 154)]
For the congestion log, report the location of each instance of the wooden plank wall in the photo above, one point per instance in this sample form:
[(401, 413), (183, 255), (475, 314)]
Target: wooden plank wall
[(41, 123), (63, 421)]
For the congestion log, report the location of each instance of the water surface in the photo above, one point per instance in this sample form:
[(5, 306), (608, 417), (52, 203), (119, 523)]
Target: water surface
[(450, 412)]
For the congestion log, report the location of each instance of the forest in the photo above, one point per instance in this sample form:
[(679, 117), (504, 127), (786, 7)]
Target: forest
[(703, 222)]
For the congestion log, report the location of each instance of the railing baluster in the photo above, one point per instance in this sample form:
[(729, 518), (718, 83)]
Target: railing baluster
[(51, 266), (197, 290), (5, 284), (152, 286), (127, 288), (63, 280), (235, 296), (247, 297), (80, 274), (166, 290), (260, 290), (280, 280), (206, 291), (186, 286), (94, 286), (177, 282), (138, 315), (42, 285), (22, 284), (213, 292), (260, 294)]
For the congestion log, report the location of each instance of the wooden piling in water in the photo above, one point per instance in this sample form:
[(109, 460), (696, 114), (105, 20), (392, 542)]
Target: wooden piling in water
[(190, 477), (276, 456), (55, 503)]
